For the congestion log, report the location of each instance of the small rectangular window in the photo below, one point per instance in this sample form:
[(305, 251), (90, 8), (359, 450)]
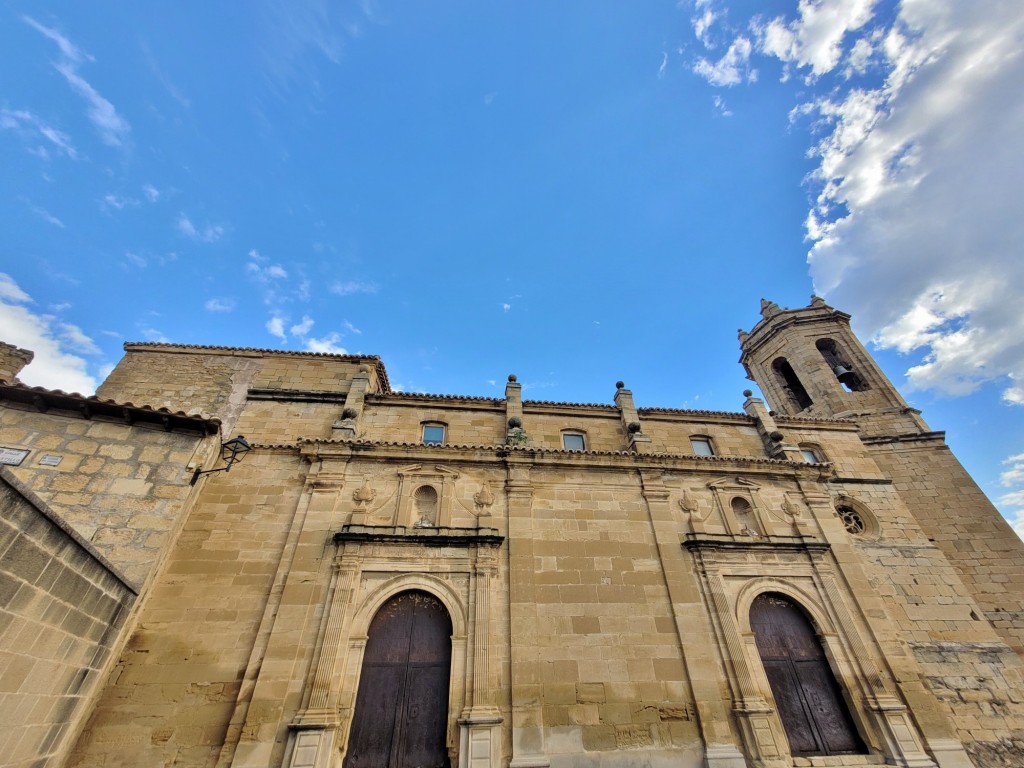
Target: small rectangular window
[(433, 434), (701, 446), (810, 456), (573, 441)]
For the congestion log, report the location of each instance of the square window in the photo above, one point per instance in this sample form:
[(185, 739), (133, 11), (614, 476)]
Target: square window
[(433, 434), (701, 446), (573, 441), (810, 456)]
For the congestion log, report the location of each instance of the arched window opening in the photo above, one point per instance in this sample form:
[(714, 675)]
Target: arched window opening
[(401, 711), (425, 505), (807, 695), (791, 384), (843, 370), (853, 521)]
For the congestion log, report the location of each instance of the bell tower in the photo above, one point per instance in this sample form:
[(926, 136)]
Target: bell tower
[(809, 363)]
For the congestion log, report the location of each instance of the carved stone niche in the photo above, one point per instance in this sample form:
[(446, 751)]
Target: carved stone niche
[(425, 496), (739, 505)]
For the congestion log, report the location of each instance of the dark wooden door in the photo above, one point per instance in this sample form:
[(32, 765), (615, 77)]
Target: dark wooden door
[(402, 703), (809, 699)]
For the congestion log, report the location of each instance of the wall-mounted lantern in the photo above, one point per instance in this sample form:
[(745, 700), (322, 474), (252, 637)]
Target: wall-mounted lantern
[(231, 452)]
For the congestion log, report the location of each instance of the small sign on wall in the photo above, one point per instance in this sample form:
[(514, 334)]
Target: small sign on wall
[(12, 456), (49, 460)]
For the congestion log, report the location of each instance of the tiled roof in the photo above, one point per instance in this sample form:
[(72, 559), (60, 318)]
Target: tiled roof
[(428, 396), (43, 399), (559, 451), (694, 412)]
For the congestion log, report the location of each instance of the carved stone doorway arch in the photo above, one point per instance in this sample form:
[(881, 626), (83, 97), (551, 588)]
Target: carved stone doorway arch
[(401, 710), (807, 695)]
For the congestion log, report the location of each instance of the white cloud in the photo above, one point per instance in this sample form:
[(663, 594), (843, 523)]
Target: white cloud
[(352, 329), (135, 260), (48, 217), (152, 193), (113, 128), (149, 333), (219, 305), (55, 365), (276, 271), (275, 327), (506, 307), (1013, 478), (663, 65), (349, 287), (328, 344), (913, 230), (815, 38), (210, 233), (732, 68), (118, 201), (721, 108), (301, 329), (914, 227), (31, 128)]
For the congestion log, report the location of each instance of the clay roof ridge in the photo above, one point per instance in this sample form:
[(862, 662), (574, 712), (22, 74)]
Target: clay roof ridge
[(93, 399), (571, 405), (430, 396), (297, 352), (813, 419), (538, 449), (102, 401), (692, 411)]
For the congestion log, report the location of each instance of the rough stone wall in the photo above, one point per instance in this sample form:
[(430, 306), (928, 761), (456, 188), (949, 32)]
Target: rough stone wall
[(61, 608), (12, 360), (121, 488), (611, 668), (729, 436), (401, 420), (276, 422), (175, 688), (954, 513)]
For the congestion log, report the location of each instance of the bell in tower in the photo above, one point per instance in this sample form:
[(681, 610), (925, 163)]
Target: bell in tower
[(808, 362)]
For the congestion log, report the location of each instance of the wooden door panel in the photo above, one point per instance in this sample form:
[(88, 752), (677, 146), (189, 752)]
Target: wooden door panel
[(425, 715), (799, 731), (377, 703), (401, 710), (808, 697), (828, 709)]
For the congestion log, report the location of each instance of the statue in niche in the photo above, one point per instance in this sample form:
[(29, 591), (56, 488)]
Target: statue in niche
[(745, 517), (424, 502)]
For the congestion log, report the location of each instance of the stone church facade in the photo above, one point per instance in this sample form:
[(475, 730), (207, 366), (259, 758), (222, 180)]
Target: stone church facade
[(394, 579)]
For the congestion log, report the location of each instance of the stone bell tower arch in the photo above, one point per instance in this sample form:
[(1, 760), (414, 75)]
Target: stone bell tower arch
[(808, 362)]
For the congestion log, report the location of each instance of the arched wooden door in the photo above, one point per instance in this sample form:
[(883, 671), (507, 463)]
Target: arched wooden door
[(809, 700), (402, 703)]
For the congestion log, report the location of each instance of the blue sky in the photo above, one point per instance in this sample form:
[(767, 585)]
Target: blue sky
[(574, 192)]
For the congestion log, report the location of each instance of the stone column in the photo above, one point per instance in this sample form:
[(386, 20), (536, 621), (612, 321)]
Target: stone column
[(692, 624), (479, 724), (638, 441), (527, 716), (348, 424)]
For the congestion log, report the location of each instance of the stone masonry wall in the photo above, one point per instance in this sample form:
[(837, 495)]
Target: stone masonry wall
[(176, 684), (954, 513), (121, 488), (12, 360), (61, 609)]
